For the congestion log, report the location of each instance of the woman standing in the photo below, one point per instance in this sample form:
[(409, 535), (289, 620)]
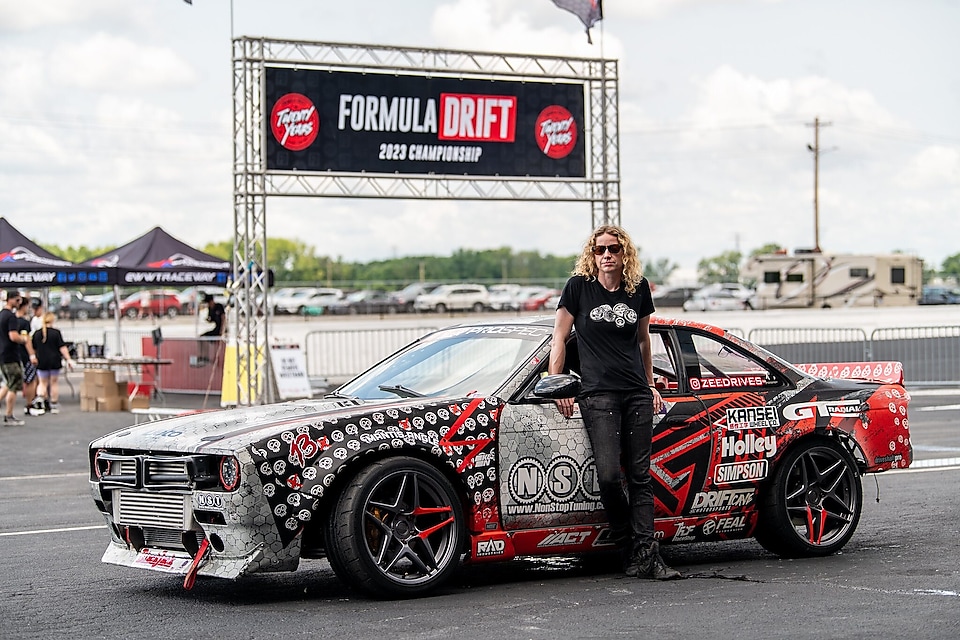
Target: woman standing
[(608, 301), (51, 351)]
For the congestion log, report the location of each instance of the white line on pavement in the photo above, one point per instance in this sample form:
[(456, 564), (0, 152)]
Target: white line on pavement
[(60, 530)]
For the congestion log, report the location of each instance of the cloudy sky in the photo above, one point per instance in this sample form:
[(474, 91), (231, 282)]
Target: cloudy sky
[(116, 115)]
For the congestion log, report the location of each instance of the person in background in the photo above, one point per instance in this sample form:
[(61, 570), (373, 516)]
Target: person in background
[(37, 320), (217, 315), (51, 352), (29, 360), (10, 341), (608, 301)]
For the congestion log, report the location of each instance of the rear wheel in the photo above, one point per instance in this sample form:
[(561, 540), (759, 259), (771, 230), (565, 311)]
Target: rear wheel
[(397, 529), (478, 307), (83, 314), (813, 502), (441, 308), (173, 312)]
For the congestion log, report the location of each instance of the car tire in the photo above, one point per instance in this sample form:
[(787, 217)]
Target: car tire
[(812, 505), (441, 308), (83, 314), (397, 529), (131, 313), (478, 307), (173, 312)]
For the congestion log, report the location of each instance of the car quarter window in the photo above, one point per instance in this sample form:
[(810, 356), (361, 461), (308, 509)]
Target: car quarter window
[(718, 365), (663, 354)]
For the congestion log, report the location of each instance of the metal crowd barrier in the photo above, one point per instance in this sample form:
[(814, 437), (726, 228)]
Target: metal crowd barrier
[(338, 355), (930, 355)]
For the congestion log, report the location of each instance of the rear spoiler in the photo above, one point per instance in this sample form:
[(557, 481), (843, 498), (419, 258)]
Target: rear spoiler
[(890, 372)]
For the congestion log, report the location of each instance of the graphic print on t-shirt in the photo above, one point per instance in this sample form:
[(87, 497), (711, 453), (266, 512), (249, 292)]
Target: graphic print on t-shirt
[(621, 315)]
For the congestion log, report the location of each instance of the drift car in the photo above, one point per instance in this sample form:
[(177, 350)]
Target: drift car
[(452, 449)]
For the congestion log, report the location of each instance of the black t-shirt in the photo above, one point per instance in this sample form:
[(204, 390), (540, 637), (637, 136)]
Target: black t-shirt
[(607, 338), (216, 316), (9, 350), (49, 357), (23, 325)]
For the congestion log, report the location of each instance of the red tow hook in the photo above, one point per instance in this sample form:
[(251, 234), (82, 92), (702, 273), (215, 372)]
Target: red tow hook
[(198, 559)]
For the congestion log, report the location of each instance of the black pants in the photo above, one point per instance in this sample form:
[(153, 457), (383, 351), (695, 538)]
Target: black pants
[(620, 427)]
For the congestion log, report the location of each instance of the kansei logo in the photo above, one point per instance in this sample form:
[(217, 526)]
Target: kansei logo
[(295, 121), (556, 131)]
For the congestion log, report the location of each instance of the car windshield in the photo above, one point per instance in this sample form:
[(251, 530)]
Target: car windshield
[(461, 361)]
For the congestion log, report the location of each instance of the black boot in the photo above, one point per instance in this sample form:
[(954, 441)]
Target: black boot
[(649, 564)]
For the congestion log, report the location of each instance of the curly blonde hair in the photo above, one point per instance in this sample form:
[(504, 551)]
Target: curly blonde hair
[(632, 269)]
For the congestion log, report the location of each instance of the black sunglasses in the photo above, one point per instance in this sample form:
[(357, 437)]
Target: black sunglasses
[(600, 249)]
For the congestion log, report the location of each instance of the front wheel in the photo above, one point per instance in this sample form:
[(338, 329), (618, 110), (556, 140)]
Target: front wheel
[(813, 502), (173, 312), (478, 307), (397, 529)]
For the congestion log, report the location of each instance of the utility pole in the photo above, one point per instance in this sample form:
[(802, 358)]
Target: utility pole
[(816, 179)]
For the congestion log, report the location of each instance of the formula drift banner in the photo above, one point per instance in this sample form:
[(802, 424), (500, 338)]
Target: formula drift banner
[(380, 123)]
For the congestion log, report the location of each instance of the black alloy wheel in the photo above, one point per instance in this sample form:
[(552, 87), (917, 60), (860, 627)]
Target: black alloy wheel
[(812, 505), (397, 530)]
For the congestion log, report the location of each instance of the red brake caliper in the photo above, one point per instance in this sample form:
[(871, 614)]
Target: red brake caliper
[(815, 525), (195, 565)]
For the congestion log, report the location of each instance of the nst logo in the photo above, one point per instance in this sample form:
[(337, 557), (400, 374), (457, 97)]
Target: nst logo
[(529, 480)]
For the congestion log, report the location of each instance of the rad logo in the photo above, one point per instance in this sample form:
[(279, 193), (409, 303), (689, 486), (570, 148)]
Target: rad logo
[(836, 409), (294, 121), (490, 548), (556, 132)]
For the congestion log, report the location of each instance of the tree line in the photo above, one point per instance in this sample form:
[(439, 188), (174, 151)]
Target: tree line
[(296, 263)]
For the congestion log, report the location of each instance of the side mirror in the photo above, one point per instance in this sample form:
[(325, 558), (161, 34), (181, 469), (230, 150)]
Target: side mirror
[(559, 385)]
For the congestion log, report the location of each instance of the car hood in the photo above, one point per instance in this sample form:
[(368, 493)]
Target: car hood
[(227, 431)]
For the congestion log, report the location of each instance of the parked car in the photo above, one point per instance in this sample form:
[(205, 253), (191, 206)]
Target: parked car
[(503, 297), (537, 300), (453, 448), (76, 307), (159, 303), (191, 298), (940, 295), (718, 300), (664, 296), (454, 297), (303, 298), (365, 301), (407, 297), (103, 303)]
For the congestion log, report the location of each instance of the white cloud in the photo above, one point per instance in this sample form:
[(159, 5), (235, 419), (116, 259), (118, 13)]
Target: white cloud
[(110, 63)]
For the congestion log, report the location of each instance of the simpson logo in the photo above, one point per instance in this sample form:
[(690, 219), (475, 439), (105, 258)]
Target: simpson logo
[(563, 539), (734, 472), (294, 121), (486, 548), (478, 118), (749, 444), (752, 418), (556, 132), (835, 409), (721, 500)]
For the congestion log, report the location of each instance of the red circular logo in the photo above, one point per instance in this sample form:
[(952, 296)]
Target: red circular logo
[(556, 131), (295, 121)]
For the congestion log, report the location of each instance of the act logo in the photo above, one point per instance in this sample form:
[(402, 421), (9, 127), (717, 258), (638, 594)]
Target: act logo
[(556, 132), (294, 121)]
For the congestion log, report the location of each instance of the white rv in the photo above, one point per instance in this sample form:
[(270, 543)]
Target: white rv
[(824, 280)]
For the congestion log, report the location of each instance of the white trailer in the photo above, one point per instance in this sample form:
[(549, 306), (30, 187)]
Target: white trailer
[(825, 280)]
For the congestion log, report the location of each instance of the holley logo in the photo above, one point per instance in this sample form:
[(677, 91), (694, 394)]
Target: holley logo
[(295, 121), (556, 131)]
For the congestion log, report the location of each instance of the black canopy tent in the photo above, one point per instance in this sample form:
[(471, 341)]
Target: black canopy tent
[(24, 264), (158, 259)]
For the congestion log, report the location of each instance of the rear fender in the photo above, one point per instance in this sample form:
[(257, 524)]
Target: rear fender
[(886, 372)]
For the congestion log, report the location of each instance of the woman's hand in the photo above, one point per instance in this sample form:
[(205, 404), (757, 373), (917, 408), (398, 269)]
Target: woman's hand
[(657, 400), (565, 406)]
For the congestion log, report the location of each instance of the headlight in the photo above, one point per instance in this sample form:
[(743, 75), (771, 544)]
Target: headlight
[(100, 467), (229, 473)]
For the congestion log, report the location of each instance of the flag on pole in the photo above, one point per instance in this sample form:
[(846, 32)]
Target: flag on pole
[(590, 12)]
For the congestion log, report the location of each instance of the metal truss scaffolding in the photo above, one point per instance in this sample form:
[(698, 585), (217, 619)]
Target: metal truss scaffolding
[(253, 183)]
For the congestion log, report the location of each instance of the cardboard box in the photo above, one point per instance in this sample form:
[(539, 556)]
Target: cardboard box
[(110, 403), (139, 402), (99, 376), (88, 403), (106, 390)]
